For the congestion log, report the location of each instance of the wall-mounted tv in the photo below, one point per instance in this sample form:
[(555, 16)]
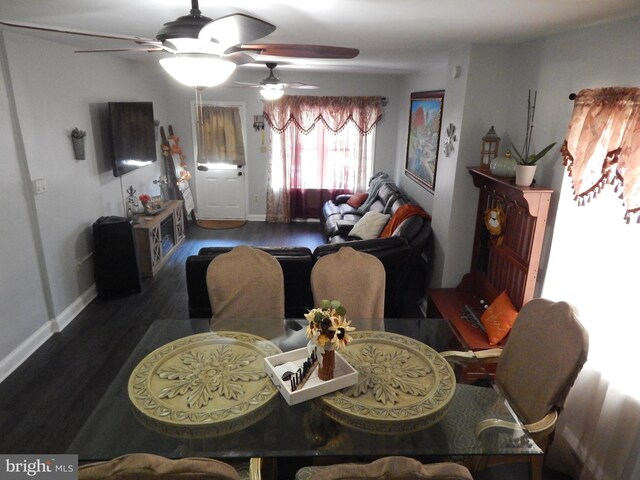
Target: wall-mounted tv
[(132, 135)]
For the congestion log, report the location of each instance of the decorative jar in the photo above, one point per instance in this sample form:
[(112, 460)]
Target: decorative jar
[(504, 166)]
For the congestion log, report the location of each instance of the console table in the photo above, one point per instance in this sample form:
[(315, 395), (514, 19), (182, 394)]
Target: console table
[(157, 236), (511, 266)]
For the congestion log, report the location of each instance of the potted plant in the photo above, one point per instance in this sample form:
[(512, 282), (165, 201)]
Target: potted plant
[(527, 160)]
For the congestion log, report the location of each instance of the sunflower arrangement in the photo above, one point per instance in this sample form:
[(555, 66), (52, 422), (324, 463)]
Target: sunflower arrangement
[(328, 326)]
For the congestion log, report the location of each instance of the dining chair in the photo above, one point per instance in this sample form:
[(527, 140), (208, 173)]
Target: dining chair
[(537, 367), (246, 283), (386, 468), (144, 466), (355, 278)]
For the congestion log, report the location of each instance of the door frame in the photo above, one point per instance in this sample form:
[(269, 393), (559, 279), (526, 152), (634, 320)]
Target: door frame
[(242, 106)]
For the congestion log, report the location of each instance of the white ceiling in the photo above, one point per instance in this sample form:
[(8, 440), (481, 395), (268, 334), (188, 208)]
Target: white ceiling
[(394, 36)]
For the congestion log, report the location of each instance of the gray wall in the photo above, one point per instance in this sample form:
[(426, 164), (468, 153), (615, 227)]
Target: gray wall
[(47, 275)]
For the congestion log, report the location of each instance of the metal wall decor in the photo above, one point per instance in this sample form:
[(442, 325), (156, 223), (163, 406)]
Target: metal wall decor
[(449, 138)]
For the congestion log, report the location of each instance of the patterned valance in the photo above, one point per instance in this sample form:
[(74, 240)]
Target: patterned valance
[(304, 112), (602, 145)]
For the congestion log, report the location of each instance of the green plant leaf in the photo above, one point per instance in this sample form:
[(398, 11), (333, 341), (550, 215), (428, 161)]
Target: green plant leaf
[(540, 154), (518, 156)]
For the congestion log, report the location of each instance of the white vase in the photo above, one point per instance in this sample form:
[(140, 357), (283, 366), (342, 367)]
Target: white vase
[(524, 174)]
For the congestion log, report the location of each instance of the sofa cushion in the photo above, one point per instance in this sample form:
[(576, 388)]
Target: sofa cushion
[(357, 199), (401, 214), (369, 226)]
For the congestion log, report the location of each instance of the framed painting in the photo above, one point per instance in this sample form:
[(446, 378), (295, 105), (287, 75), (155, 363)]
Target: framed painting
[(425, 121)]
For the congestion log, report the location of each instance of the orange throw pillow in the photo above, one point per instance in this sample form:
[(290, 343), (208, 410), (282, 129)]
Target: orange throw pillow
[(499, 318), (357, 199)]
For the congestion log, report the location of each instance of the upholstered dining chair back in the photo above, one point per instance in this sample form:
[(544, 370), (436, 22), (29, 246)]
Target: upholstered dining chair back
[(144, 466), (386, 468), (246, 283), (355, 278), (546, 350)]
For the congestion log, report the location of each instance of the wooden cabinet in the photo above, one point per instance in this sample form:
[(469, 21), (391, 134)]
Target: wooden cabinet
[(157, 236), (511, 266)]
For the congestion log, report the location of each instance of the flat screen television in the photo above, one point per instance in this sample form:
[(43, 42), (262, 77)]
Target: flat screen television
[(132, 135)]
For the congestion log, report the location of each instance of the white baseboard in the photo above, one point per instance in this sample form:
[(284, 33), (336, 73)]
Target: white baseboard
[(72, 311), (35, 340)]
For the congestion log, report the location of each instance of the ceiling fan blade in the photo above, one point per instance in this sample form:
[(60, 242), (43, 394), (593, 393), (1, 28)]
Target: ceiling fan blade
[(107, 50), (297, 50), (111, 36), (244, 84), (239, 58), (235, 29), (301, 86)]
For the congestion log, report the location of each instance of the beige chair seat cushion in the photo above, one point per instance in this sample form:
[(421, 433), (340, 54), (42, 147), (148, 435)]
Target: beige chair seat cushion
[(143, 466), (387, 468)]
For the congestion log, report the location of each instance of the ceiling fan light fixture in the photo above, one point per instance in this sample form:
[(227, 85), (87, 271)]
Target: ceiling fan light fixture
[(198, 70), (272, 91)]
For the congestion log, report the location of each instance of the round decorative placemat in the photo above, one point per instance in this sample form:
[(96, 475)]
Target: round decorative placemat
[(403, 385), (206, 384)]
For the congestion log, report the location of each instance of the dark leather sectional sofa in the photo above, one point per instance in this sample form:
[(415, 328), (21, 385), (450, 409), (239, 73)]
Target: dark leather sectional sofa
[(405, 255)]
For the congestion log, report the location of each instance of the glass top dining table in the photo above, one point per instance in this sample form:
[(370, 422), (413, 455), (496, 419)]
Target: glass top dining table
[(307, 429)]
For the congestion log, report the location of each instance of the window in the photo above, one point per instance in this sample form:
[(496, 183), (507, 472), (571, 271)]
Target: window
[(329, 160), (321, 147)]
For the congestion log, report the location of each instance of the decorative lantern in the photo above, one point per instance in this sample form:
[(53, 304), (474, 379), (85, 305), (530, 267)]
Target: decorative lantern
[(490, 144)]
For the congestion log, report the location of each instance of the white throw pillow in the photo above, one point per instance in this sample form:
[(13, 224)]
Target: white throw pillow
[(369, 226)]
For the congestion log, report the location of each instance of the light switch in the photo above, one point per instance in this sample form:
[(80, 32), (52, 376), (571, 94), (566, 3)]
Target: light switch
[(39, 186)]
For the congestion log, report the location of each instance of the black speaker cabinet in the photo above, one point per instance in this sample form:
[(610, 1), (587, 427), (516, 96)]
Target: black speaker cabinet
[(115, 262)]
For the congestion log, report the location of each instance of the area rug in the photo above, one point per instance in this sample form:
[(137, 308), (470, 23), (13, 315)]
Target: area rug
[(220, 224)]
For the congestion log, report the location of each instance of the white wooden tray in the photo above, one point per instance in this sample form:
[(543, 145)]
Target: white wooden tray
[(344, 376)]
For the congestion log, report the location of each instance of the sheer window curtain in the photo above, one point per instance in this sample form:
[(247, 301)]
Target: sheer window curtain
[(593, 264), (219, 136), (321, 146)]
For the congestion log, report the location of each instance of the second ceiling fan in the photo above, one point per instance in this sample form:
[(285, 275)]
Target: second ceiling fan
[(204, 52), (272, 88)]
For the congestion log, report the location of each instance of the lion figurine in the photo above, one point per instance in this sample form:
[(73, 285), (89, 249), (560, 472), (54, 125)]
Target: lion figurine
[(494, 220)]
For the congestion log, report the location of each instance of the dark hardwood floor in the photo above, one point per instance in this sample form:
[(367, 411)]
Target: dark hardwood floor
[(47, 399), (44, 403)]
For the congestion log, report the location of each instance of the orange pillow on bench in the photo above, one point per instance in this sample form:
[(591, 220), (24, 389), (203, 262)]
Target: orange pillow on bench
[(499, 318)]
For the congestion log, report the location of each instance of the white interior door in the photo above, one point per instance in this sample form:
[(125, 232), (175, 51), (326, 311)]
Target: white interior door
[(221, 190), (221, 194)]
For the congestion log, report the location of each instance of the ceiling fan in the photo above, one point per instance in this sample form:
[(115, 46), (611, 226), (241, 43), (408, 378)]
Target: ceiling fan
[(272, 88), (205, 51)]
